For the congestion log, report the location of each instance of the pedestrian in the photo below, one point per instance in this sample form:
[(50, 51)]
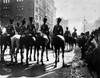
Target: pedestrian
[(82, 43)]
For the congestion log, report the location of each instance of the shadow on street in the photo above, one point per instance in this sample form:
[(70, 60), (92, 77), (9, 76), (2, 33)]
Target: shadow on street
[(19, 70)]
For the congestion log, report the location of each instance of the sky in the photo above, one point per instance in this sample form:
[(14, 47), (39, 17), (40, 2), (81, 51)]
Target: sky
[(75, 10)]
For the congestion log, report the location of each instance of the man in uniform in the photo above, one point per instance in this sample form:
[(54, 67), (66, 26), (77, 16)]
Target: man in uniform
[(82, 43), (67, 32), (45, 30), (74, 34), (17, 28), (10, 28), (31, 27), (23, 27), (58, 30)]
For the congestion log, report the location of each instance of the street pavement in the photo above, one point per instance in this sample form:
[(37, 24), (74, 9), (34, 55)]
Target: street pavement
[(47, 69)]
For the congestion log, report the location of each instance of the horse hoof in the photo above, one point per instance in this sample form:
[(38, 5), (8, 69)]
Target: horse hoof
[(27, 64), (41, 60), (21, 62), (42, 63), (16, 62), (30, 59), (47, 59), (55, 66), (65, 66), (37, 62), (34, 59)]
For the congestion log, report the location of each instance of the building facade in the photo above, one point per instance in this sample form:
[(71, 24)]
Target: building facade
[(0, 10), (16, 9), (19, 9)]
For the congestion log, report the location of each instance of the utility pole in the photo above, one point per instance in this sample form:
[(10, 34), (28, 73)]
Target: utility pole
[(84, 22)]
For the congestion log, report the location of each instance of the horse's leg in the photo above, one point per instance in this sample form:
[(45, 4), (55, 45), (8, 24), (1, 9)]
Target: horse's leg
[(35, 53), (56, 57), (1, 52), (5, 46), (21, 53), (68, 44), (47, 53), (27, 50), (70, 47), (17, 49), (12, 49), (63, 55), (43, 48), (30, 58)]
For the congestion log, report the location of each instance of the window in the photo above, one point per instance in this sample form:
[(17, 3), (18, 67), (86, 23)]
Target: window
[(20, 0), (20, 7), (6, 1)]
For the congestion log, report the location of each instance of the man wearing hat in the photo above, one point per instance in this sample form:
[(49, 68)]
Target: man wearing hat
[(74, 34), (82, 42), (23, 27), (58, 30), (45, 30), (67, 33), (31, 27), (10, 28)]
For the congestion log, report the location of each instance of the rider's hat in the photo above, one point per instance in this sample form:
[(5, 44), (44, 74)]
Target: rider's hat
[(30, 18), (11, 20), (23, 21), (45, 18), (59, 19), (66, 27)]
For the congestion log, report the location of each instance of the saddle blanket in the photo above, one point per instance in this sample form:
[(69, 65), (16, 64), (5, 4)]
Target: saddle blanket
[(16, 36), (60, 36)]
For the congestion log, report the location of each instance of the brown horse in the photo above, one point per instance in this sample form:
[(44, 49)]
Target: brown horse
[(40, 42), (58, 43)]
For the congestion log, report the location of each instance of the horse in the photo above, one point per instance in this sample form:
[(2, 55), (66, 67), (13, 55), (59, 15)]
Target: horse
[(5, 40), (70, 41), (19, 42), (58, 42), (15, 43), (41, 42)]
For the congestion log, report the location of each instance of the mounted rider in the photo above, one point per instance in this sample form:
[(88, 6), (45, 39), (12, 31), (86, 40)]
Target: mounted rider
[(58, 30), (67, 33), (45, 30), (74, 34), (10, 28), (31, 27), (23, 28)]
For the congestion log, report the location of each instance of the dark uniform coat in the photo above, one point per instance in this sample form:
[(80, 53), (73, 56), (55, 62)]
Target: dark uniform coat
[(10, 30), (58, 30), (31, 29), (45, 29)]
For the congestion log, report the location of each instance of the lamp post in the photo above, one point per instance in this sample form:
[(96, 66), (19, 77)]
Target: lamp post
[(84, 22)]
